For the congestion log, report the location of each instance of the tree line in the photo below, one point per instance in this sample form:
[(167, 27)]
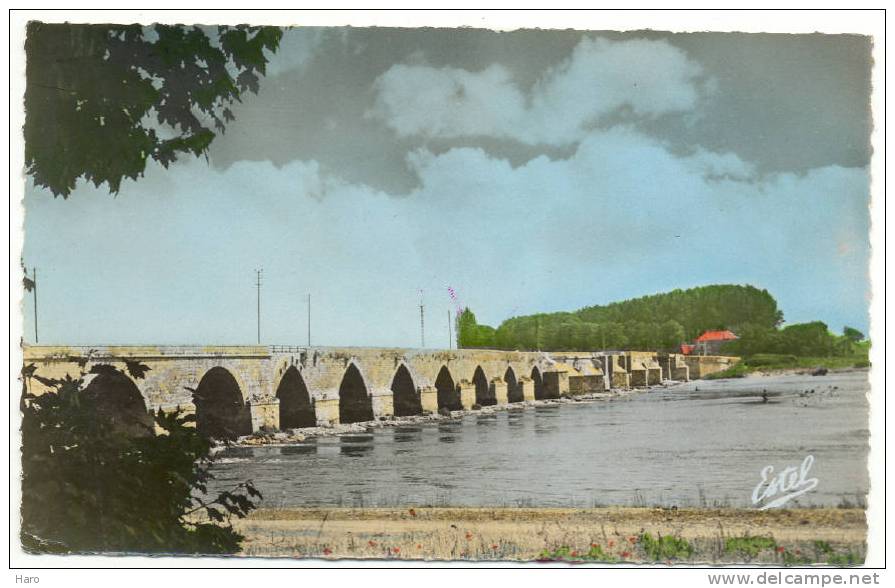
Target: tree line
[(662, 322)]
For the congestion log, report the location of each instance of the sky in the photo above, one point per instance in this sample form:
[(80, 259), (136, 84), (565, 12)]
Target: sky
[(530, 171)]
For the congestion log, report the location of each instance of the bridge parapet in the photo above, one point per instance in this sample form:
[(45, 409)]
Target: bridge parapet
[(310, 384)]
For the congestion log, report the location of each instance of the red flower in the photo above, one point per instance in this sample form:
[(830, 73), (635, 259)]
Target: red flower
[(574, 554), (781, 549), (327, 551), (594, 545), (632, 539), (611, 544), (412, 512), (371, 543), (798, 552), (468, 535), (494, 546), (418, 546), (626, 554), (396, 549)]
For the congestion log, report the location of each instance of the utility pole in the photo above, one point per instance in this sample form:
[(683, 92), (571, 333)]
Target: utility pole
[(258, 273), (309, 320), (422, 324), (450, 336), (34, 291)]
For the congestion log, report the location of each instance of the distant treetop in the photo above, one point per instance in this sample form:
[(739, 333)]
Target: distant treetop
[(658, 321)]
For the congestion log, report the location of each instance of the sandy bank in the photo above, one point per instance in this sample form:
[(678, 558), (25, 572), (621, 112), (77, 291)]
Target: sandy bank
[(802, 372), (523, 534)]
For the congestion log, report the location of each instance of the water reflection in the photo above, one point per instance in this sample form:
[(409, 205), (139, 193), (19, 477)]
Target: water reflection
[(516, 418), (356, 445), (356, 438), (674, 447), (305, 449), (407, 434), (234, 452), (355, 450)]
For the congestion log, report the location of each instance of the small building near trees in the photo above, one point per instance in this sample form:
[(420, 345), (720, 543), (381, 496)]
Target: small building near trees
[(709, 343)]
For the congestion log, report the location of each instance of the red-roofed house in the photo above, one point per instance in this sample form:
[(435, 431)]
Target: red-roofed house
[(710, 342), (687, 349)]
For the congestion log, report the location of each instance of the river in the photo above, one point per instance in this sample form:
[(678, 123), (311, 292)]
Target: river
[(703, 443)]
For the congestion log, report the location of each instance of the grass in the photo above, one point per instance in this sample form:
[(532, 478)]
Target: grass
[(566, 553), (669, 548), (748, 547), (665, 548), (823, 551), (762, 362)]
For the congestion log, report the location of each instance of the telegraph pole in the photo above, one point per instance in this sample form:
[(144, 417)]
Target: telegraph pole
[(422, 324), (309, 320), (450, 336), (34, 291), (258, 273)]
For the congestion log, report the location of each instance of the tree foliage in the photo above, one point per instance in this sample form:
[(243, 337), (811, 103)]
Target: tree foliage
[(812, 339), (471, 335), (91, 485), (660, 321), (852, 334), (101, 100)]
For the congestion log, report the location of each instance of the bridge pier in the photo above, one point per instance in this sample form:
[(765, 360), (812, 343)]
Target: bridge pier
[(499, 391), (383, 401), (674, 367), (556, 382), (265, 414), (680, 373), (700, 366), (467, 394), (586, 384), (654, 375), (638, 376), (429, 399), (527, 386), (327, 411), (619, 377)]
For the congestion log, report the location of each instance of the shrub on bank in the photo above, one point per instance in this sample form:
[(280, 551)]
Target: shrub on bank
[(770, 360), (90, 485)]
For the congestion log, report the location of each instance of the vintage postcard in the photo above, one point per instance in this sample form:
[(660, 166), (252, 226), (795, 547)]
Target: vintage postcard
[(419, 293)]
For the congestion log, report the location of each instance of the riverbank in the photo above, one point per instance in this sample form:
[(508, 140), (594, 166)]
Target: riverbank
[(789, 365), (835, 536), (293, 436)]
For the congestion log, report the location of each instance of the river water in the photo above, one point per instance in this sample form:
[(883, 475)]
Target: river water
[(703, 443)]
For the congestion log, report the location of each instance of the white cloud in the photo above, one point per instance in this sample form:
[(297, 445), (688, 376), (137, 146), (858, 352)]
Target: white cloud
[(649, 78), (621, 217), (296, 49), (448, 102)]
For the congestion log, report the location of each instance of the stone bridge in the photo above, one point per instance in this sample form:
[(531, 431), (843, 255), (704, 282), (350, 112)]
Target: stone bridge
[(236, 390)]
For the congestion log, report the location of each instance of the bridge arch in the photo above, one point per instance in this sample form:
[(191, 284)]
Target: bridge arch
[(514, 390), (296, 408), (483, 395), (221, 412), (538, 383), (355, 404), (448, 394), (118, 399), (405, 397)]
